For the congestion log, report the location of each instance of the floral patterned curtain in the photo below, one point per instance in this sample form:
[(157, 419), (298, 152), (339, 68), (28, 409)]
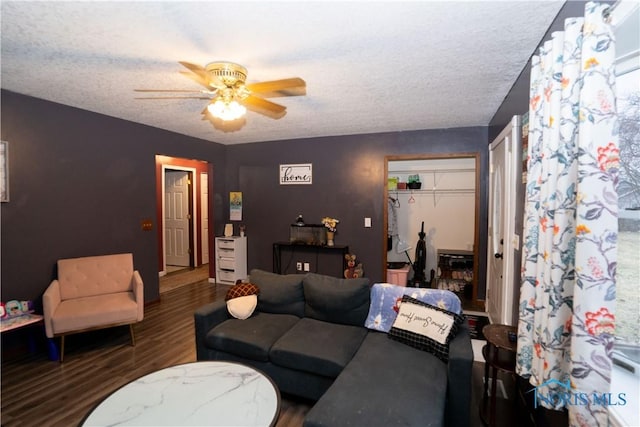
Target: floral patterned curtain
[(567, 296)]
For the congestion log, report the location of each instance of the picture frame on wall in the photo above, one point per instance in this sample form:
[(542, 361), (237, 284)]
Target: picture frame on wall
[(235, 205), (296, 174), (4, 171)]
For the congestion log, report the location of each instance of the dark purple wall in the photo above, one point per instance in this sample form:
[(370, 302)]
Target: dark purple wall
[(80, 185), (348, 184)]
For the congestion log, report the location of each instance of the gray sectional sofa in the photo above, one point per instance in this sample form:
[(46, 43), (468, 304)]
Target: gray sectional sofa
[(307, 333)]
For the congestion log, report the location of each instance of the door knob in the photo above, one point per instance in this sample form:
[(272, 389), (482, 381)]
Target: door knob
[(498, 255)]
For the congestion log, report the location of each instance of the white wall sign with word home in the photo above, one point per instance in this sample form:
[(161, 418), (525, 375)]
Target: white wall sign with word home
[(296, 174)]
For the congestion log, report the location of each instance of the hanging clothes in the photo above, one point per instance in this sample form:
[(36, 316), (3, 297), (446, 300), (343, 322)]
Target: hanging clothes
[(392, 226)]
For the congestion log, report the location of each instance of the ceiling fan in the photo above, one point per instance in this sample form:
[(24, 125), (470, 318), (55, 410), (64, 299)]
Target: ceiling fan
[(229, 94)]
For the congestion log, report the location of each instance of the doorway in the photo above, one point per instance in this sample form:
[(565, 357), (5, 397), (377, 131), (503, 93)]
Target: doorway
[(196, 238), (505, 213), (447, 203), (178, 219)]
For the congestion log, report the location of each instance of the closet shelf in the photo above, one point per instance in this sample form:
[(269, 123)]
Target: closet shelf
[(430, 171), (436, 191)]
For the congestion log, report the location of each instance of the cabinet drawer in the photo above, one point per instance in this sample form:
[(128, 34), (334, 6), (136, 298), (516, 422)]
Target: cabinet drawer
[(225, 276), (226, 244), (226, 253), (226, 263)]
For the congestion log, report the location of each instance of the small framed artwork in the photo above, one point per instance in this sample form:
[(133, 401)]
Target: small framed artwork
[(296, 174), (4, 171), (235, 206)]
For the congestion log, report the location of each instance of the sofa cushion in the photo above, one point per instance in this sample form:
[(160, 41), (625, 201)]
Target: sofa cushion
[(251, 338), (386, 297), (242, 299), (330, 299), (385, 384), (89, 312), (425, 327), (242, 307), (318, 347), (279, 293)]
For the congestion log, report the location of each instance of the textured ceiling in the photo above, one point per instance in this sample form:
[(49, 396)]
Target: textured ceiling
[(369, 66)]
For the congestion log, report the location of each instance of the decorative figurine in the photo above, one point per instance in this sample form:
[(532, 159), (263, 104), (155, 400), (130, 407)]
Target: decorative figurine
[(353, 271)]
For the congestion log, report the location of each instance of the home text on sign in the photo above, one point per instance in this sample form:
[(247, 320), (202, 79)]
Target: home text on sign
[(296, 174)]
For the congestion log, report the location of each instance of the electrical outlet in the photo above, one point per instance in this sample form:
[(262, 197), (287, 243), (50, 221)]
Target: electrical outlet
[(298, 266), (306, 266), (367, 222)]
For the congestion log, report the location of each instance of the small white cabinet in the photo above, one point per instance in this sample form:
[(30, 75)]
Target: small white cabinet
[(231, 259)]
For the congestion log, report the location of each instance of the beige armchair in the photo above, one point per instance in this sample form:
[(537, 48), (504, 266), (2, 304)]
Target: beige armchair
[(93, 293)]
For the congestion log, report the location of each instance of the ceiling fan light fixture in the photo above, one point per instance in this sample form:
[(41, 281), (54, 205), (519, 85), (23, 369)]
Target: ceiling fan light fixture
[(226, 74), (229, 96), (226, 111)]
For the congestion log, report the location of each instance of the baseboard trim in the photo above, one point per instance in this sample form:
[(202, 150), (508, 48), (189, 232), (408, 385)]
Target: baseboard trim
[(477, 350)]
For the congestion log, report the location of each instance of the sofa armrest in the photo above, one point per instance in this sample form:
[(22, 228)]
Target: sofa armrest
[(138, 293), (206, 318), (50, 301), (459, 379)]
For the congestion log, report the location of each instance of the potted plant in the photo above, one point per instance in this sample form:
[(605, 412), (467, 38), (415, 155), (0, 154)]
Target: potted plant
[(413, 182), (331, 225)]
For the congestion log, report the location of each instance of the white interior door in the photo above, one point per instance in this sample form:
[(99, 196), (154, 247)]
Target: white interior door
[(176, 219), (204, 217), (503, 248), (495, 276)]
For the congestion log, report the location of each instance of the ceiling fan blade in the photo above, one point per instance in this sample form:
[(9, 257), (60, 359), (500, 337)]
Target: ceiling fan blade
[(172, 97), (262, 106), (198, 73), (168, 90), (196, 68), (286, 87), (198, 79)]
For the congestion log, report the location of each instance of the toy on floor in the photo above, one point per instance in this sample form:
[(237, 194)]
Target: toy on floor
[(353, 271)]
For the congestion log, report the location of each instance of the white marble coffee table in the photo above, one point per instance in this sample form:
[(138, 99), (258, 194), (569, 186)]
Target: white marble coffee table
[(200, 393)]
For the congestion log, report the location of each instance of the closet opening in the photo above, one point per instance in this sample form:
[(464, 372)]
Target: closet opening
[(431, 223)]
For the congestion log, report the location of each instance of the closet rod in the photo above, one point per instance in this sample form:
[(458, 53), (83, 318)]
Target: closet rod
[(429, 191), (405, 171)]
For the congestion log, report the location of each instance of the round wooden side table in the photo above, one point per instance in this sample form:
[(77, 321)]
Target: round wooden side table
[(499, 355)]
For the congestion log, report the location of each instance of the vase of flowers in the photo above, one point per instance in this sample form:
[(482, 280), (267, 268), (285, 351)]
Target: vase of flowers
[(331, 225)]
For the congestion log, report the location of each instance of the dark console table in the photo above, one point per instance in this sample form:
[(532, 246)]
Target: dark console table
[(331, 257)]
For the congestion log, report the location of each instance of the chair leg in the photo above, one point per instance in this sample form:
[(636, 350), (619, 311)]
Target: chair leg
[(133, 338), (61, 348)]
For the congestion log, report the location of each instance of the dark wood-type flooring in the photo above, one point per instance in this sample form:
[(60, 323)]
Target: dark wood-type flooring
[(40, 392), (182, 277)]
